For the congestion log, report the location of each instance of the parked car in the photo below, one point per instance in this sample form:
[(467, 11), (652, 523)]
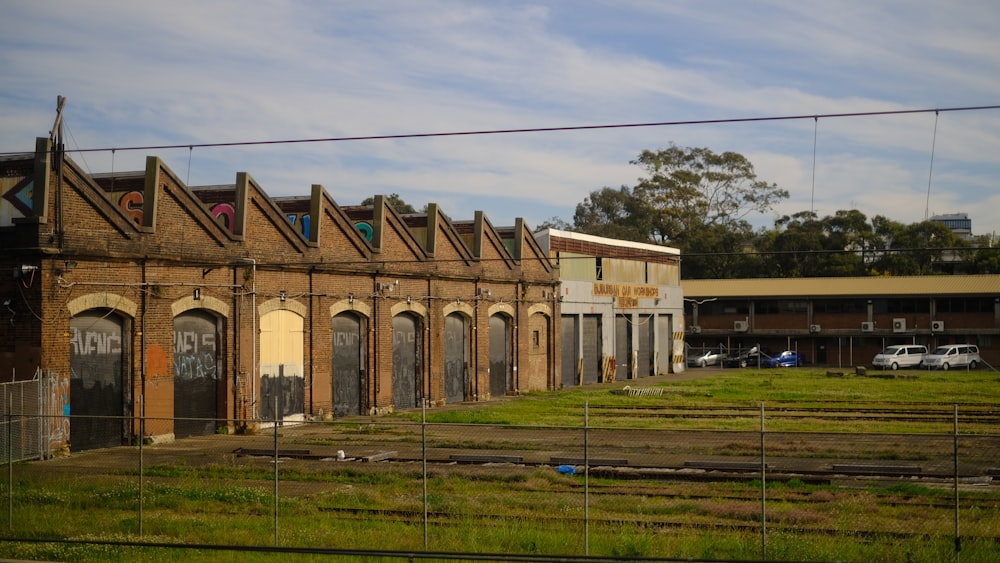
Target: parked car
[(952, 356), (900, 356), (786, 359), (709, 358), (748, 358)]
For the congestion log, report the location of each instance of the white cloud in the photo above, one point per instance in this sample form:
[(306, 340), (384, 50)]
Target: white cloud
[(196, 72)]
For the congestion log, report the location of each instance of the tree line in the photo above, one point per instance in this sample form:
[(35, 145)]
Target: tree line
[(699, 201)]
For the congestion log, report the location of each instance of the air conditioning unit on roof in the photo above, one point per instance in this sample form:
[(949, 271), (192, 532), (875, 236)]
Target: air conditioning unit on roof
[(740, 326), (899, 325), (867, 326)]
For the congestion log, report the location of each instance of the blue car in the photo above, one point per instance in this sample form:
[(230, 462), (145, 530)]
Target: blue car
[(787, 359)]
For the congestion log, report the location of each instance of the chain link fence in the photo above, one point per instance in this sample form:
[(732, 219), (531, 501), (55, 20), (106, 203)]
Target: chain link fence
[(396, 487)]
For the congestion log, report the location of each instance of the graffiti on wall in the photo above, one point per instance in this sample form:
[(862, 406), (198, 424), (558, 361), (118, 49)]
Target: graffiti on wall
[(282, 384), (194, 355), (95, 342), (57, 391), (131, 203), (16, 200)]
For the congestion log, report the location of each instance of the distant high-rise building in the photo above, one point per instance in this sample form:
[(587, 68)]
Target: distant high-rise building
[(959, 223)]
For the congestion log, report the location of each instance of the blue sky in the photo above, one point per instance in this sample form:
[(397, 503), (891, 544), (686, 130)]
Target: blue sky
[(190, 72)]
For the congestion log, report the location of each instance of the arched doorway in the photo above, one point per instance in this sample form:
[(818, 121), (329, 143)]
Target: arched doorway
[(282, 387), (501, 379), (348, 364), (407, 348), (197, 373), (99, 389), (456, 357), (539, 354)]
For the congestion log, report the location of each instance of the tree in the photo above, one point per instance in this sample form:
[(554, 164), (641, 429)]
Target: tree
[(553, 223), (613, 214), (691, 188), (395, 202), (693, 199)]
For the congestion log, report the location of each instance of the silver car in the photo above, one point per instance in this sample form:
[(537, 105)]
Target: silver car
[(900, 356), (951, 356), (710, 358)]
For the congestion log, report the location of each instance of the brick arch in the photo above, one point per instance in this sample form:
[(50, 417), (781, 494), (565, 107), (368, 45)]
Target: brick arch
[(504, 308), (103, 300), (206, 302), (412, 307), (463, 308), (540, 309), (277, 305), (355, 306)]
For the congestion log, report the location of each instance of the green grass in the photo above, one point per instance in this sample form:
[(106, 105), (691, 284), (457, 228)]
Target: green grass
[(536, 510), (744, 391)]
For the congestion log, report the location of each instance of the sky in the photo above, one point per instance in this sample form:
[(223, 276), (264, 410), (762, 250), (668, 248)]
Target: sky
[(189, 72)]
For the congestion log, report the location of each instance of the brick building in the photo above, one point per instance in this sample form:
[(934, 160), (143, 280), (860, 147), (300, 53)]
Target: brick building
[(219, 306), (621, 307)]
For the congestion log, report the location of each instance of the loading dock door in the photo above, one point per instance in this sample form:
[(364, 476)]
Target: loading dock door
[(623, 347), (196, 374), (97, 381), (665, 338), (406, 351), (281, 379), (644, 336), (570, 351), (500, 356), (456, 357), (348, 365), (591, 348)]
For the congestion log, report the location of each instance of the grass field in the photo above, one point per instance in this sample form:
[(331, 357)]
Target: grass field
[(97, 503)]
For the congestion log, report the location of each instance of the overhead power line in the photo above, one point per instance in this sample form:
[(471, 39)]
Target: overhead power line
[(532, 129)]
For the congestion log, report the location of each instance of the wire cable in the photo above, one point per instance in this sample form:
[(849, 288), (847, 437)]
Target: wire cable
[(531, 130)]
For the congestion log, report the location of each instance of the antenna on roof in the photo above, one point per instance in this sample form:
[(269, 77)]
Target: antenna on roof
[(55, 135)]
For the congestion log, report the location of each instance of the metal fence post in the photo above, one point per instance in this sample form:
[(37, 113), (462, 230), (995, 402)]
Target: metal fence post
[(958, 536), (10, 464), (586, 478), (142, 438), (763, 489), (423, 458), (275, 470)]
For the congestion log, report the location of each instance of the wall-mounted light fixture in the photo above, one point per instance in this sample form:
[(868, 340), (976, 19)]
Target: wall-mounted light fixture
[(407, 299), (197, 294), (283, 296), (69, 264), (350, 298)]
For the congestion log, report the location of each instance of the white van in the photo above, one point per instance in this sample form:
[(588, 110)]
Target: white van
[(900, 356), (952, 356)]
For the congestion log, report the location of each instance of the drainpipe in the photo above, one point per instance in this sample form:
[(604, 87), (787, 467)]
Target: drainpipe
[(312, 348), (253, 321), (142, 353)]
